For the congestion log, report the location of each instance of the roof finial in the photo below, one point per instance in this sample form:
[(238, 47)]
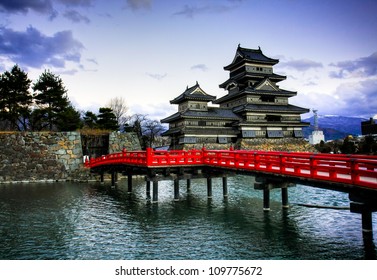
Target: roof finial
[(239, 45), (197, 83), (259, 47)]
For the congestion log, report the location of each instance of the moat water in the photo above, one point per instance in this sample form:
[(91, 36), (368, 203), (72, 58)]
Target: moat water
[(89, 221)]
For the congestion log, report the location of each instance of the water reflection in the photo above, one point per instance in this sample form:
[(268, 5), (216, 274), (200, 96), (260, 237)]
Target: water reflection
[(93, 221)]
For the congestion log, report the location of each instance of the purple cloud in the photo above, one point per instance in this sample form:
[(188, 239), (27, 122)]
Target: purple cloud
[(201, 67), (75, 16), (34, 49), (362, 67), (301, 64), (138, 4), (24, 6), (156, 76), (192, 11)]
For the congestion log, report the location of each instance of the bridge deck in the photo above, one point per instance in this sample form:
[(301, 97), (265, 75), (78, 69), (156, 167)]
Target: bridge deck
[(352, 170)]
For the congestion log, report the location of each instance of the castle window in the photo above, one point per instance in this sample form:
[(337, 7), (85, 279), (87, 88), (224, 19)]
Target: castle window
[(268, 98), (273, 118), (248, 133), (275, 134), (223, 140), (202, 123)]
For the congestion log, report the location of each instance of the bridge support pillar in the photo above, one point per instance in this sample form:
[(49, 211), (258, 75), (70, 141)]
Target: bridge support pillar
[(365, 204), (209, 187), (266, 199), (129, 183), (366, 221), (155, 191), (102, 177), (188, 185), (284, 198), (114, 176), (148, 190), (225, 186), (176, 189)]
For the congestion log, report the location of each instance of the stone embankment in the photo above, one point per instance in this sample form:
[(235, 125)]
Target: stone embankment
[(50, 156)]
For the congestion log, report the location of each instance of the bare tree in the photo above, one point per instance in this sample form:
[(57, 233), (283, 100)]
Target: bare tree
[(120, 109), (151, 129), (146, 129)]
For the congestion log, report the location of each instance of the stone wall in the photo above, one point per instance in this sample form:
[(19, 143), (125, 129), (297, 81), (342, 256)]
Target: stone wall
[(119, 141), (49, 156), (258, 144), (276, 144)]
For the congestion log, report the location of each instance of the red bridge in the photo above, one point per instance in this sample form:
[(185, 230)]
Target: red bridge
[(354, 174), (356, 170)]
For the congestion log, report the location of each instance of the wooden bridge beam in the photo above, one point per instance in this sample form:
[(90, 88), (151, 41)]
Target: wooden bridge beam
[(284, 198), (114, 177), (188, 185), (148, 190), (266, 199), (176, 189), (155, 191), (225, 186), (129, 182), (209, 187)]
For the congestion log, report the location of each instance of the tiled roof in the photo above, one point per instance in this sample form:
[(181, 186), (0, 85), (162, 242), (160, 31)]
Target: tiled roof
[(270, 108), (250, 55), (193, 93), (212, 113), (247, 75)]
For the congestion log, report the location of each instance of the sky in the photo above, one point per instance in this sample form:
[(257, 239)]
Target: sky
[(149, 51)]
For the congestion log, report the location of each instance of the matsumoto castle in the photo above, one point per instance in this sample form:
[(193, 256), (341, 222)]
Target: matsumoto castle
[(254, 113)]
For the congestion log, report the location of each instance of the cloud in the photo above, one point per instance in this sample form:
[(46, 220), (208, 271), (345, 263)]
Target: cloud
[(24, 6), (192, 11), (138, 4), (153, 111), (157, 76), (357, 99), (301, 64), (349, 99), (34, 49), (92, 60), (75, 16), (359, 68), (202, 67), (76, 3)]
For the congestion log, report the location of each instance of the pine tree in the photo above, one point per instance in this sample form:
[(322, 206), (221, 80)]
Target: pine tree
[(15, 98), (107, 119), (90, 119), (51, 96), (69, 119)]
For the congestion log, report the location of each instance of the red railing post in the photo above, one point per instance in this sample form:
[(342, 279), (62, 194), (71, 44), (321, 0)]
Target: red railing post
[(149, 156), (354, 171)]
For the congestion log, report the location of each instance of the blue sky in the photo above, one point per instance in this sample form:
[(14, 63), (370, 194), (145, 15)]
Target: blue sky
[(148, 51)]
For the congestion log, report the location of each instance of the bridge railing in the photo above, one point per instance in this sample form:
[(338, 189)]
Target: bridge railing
[(356, 169), (125, 157), (352, 169), (174, 157)]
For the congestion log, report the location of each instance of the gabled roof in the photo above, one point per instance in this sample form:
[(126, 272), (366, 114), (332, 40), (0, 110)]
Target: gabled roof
[(251, 56), (253, 91), (270, 108), (247, 75), (193, 93), (212, 113), (266, 84)]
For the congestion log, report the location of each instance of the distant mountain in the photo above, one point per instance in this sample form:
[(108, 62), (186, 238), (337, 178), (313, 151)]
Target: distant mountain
[(335, 127)]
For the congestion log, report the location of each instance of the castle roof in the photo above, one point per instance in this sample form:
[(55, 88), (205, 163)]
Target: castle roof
[(212, 113), (193, 93), (251, 56), (270, 108)]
